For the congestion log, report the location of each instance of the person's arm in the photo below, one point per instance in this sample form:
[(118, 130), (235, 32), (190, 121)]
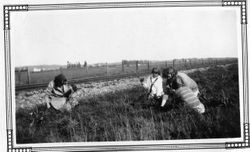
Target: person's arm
[(68, 93), (180, 82), (159, 87), (48, 93), (194, 85), (70, 89)]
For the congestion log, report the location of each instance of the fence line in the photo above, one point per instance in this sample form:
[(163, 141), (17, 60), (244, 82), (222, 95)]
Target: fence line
[(26, 76)]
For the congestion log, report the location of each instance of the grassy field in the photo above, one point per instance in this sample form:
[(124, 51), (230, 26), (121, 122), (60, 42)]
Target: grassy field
[(127, 115)]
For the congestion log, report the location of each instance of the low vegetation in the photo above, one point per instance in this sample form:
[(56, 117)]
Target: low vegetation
[(126, 115)]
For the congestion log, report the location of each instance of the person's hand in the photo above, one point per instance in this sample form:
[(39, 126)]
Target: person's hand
[(170, 90), (150, 96), (47, 101), (67, 94)]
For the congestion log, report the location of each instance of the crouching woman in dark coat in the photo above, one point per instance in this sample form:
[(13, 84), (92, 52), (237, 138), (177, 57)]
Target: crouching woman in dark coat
[(58, 94)]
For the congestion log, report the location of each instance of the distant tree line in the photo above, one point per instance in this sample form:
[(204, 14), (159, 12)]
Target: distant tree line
[(76, 65), (132, 62)]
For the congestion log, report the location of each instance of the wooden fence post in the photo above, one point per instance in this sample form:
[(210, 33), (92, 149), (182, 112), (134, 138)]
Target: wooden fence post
[(185, 64), (166, 63), (19, 76), (148, 66), (28, 76), (87, 69), (107, 70), (122, 66), (61, 70), (173, 63), (137, 66), (182, 64)]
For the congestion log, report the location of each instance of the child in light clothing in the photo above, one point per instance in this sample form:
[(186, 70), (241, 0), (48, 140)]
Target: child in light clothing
[(153, 84)]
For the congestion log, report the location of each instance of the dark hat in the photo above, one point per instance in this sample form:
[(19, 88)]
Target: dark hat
[(155, 70), (169, 70), (60, 79)]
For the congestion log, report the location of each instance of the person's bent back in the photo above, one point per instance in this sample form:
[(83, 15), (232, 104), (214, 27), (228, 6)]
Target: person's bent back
[(184, 87)]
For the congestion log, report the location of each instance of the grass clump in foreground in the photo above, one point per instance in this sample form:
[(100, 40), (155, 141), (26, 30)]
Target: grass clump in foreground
[(127, 115)]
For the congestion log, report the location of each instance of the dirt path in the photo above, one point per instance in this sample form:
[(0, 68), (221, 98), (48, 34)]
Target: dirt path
[(28, 99)]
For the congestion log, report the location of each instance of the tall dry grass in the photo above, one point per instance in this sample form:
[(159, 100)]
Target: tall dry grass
[(127, 115)]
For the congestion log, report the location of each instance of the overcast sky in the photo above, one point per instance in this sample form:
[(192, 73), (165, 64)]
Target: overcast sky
[(110, 35)]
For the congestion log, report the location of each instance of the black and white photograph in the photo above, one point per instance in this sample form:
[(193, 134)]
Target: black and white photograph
[(130, 74)]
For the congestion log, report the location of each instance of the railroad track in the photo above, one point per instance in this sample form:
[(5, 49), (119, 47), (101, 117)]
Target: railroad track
[(80, 80)]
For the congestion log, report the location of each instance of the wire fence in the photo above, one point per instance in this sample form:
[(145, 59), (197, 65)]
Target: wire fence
[(27, 77)]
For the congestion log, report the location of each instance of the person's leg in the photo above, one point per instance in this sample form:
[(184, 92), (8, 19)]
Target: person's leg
[(191, 99), (200, 108), (58, 102)]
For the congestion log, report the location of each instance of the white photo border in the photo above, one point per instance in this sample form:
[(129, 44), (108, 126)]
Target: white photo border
[(110, 5)]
